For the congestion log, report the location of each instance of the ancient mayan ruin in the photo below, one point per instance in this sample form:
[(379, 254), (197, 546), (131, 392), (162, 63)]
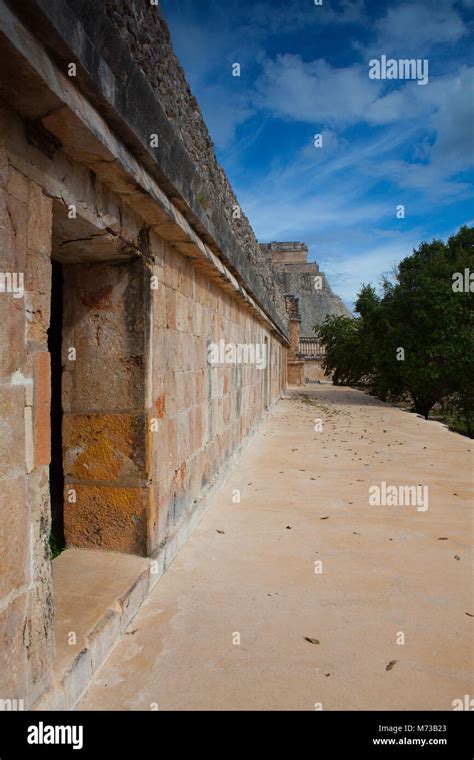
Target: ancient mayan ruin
[(148, 338), (119, 218)]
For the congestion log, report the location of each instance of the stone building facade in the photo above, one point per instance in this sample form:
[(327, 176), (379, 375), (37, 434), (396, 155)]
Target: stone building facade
[(309, 300), (303, 279), (121, 264)]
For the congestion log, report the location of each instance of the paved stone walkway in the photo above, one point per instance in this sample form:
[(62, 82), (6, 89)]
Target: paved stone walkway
[(249, 572)]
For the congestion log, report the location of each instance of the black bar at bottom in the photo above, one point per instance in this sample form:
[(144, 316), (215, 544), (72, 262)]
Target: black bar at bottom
[(374, 734)]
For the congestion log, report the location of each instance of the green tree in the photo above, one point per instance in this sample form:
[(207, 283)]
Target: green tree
[(417, 336)]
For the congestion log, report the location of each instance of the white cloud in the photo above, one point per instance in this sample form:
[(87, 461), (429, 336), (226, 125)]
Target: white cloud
[(416, 28), (453, 120), (315, 92), (408, 146)]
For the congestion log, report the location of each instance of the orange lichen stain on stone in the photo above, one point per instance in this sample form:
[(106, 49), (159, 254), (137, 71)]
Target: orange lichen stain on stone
[(102, 447), (107, 517), (160, 406)]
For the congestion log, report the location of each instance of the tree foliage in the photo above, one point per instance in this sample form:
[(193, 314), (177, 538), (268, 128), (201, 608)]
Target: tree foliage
[(416, 336)]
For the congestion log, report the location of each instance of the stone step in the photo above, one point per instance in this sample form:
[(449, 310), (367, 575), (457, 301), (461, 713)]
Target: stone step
[(96, 595)]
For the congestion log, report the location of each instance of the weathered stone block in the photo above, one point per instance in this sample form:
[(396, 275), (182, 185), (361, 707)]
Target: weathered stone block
[(181, 312), (170, 298), (107, 447), (104, 321), (101, 640), (52, 699), (159, 301), (38, 297), (39, 220), (14, 536), (200, 377), (157, 247), (161, 452), (42, 407), (29, 439), (18, 217), (196, 427), (12, 259), (189, 382), (39, 629), (131, 601), (160, 351), (172, 426), (77, 678), (12, 319), (18, 185), (160, 406), (13, 674), (12, 430), (107, 517)]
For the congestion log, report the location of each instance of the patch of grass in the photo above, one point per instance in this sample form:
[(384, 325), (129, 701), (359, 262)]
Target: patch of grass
[(203, 202), (455, 422)]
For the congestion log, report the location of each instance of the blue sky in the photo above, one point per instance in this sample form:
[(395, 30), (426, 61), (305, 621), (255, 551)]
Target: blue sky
[(386, 143)]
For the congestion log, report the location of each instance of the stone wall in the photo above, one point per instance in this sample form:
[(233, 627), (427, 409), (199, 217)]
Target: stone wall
[(148, 423), (314, 304), (202, 411), (296, 276), (285, 253), (313, 371), (146, 35), (26, 635)]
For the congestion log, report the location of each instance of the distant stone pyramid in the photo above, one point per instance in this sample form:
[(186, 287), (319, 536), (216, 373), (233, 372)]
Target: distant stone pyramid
[(302, 279)]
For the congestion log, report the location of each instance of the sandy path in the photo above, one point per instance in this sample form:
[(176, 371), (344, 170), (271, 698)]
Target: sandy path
[(249, 569)]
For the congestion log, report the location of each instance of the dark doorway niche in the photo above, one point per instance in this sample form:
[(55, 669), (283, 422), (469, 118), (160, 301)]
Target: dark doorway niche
[(56, 475)]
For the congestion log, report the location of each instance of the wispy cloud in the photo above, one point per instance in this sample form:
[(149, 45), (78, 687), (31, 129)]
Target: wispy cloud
[(416, 28), (385, 143)]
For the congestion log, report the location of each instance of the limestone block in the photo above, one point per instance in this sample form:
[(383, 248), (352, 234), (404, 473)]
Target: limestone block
[(39, 220), (157, 246), (40, 636), (181, 307), (14, 536), (101, 640), (107, 517), (18, 185), (13, 350), (170, 300), (13, 254), (77, 678), (108, 447), (42, 408), (12, 430), (104, 322), (13, 681), (52, 699), (18, 218), (38, 297), (29, 439), (172, 433), (133, 598)]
